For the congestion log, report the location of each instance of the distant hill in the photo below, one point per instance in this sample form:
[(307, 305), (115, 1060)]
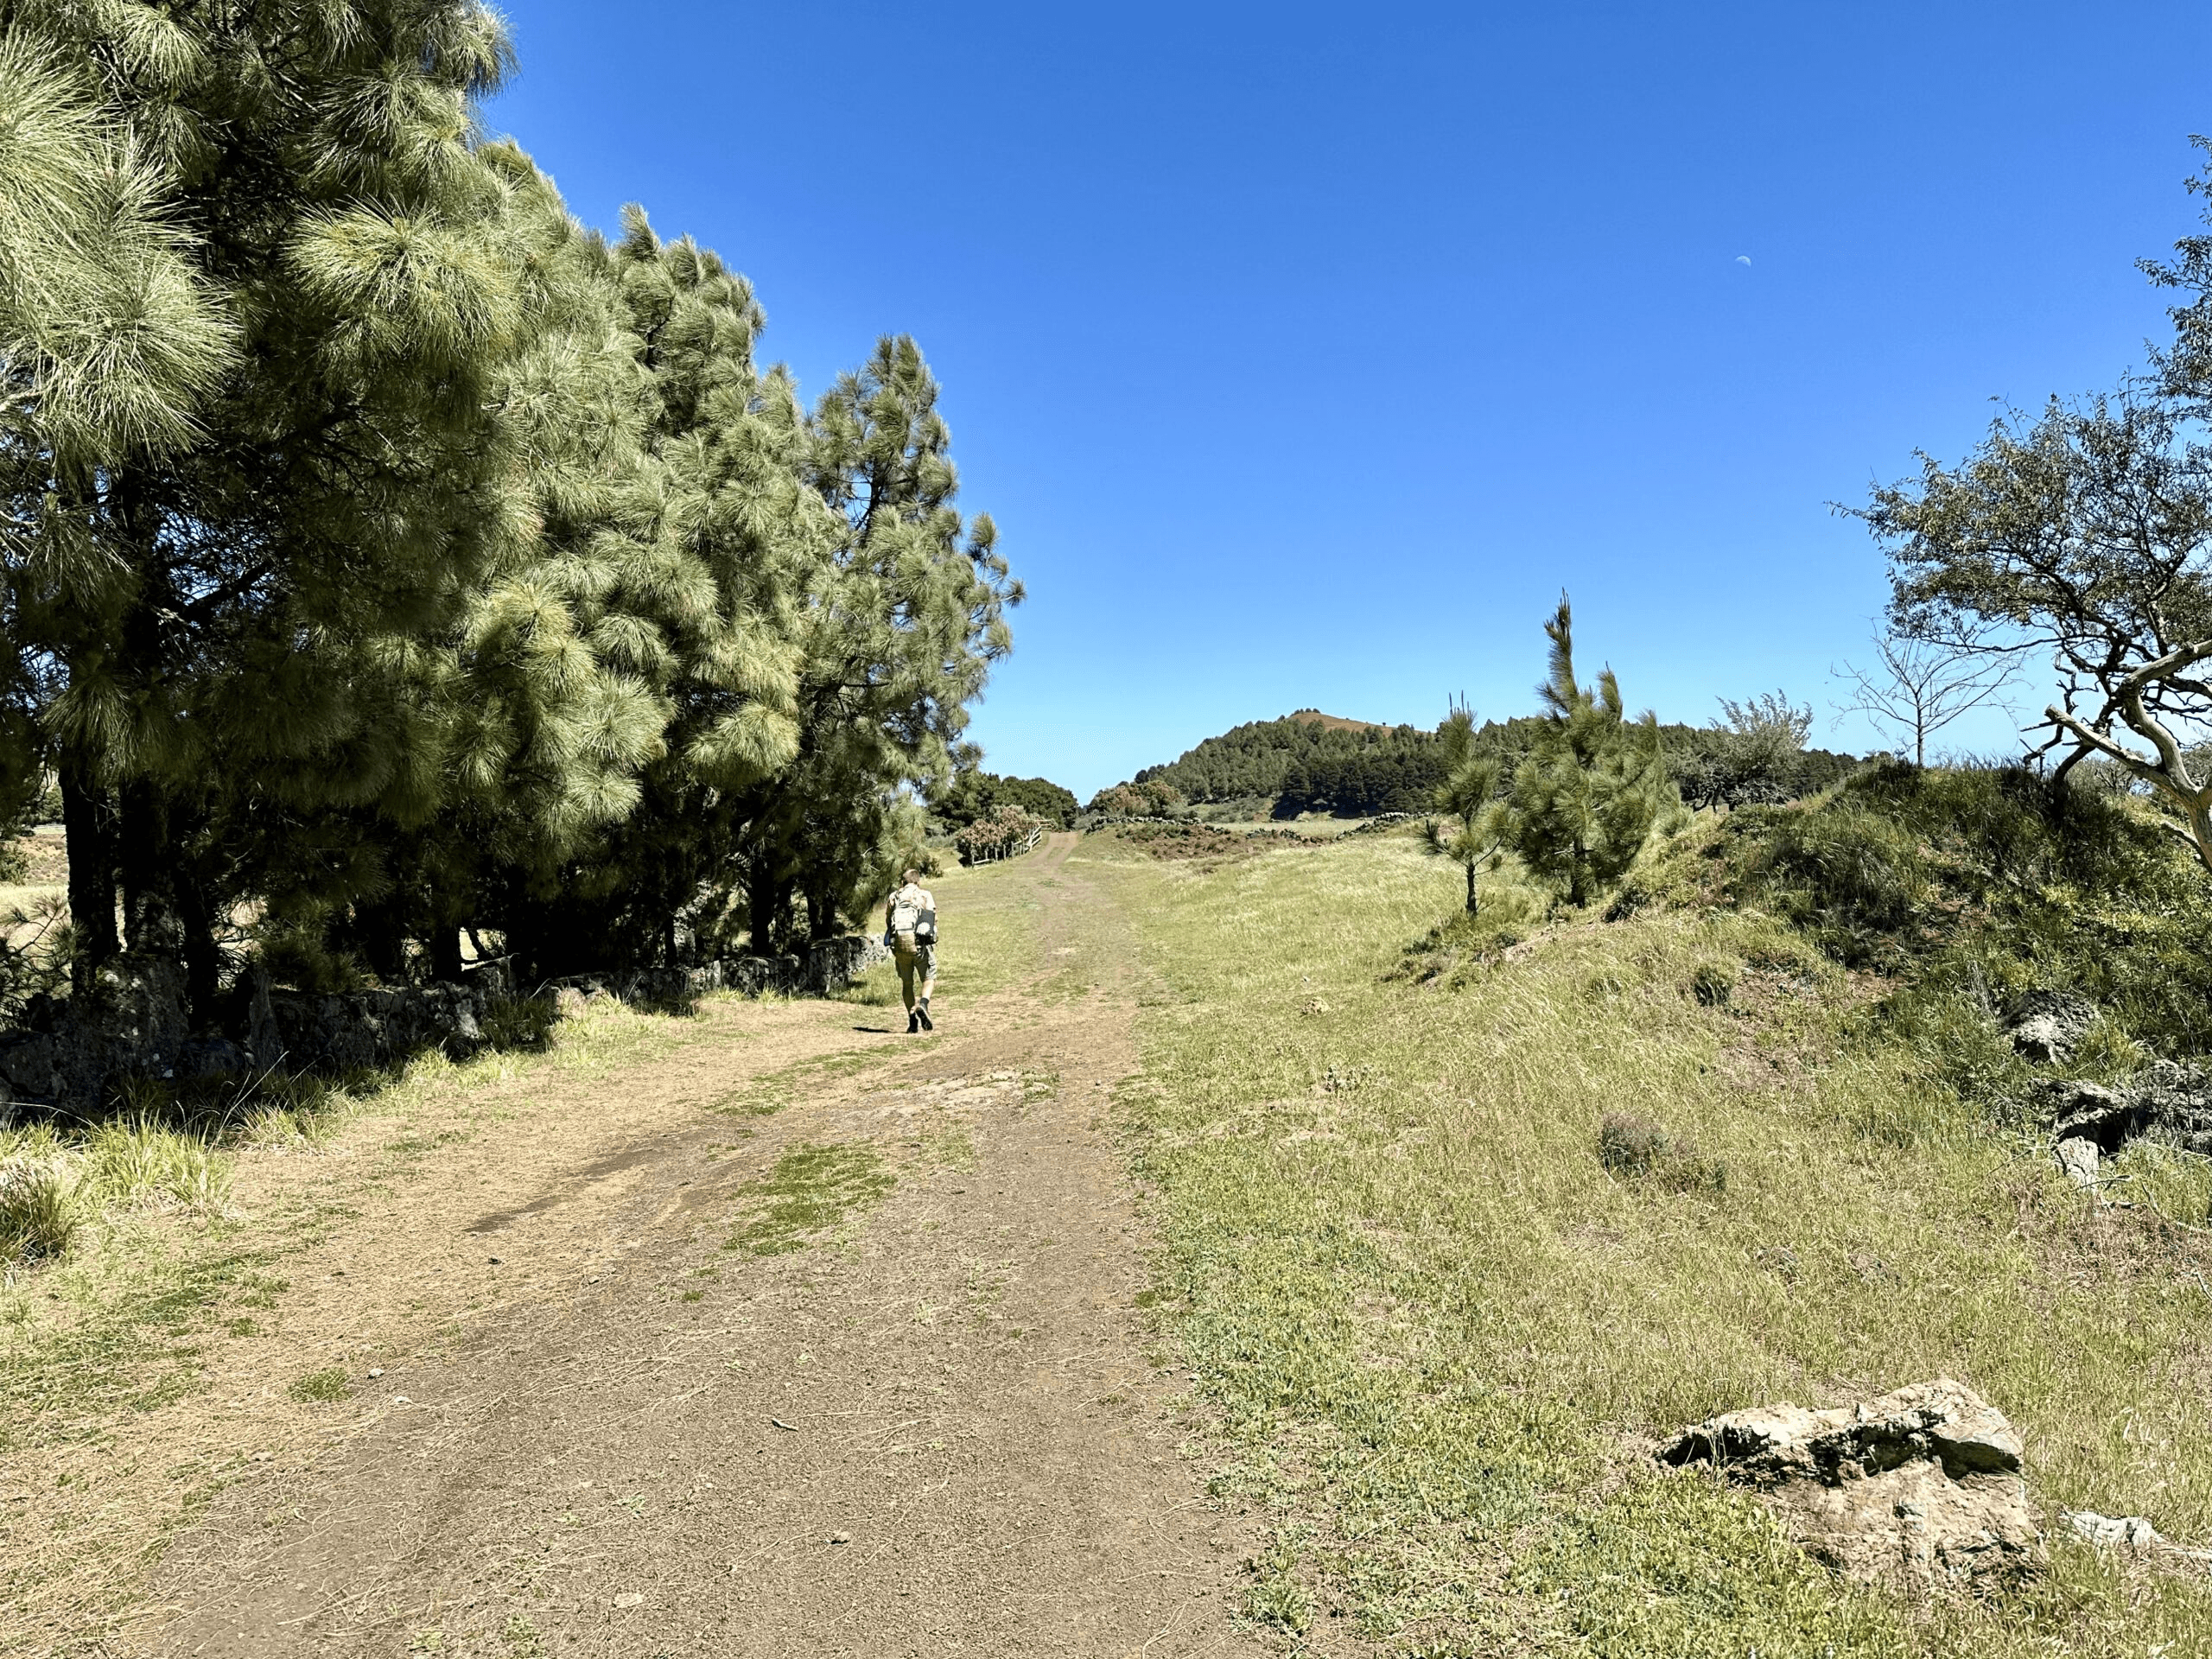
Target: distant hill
[(1308, 761)]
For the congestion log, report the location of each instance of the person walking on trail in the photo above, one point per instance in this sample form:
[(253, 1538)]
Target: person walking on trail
[(910, 929)]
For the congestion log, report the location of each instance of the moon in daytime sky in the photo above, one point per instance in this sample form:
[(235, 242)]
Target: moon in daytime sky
[(1743, 259)]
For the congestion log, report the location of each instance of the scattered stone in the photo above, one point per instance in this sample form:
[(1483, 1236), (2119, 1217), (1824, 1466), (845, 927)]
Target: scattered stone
[(2112, 1532), (2169, 1102), (2089, 1111), (2077, 1160), (840, 1538), (630, 1598), (2047, 1026), (1922, 1485)]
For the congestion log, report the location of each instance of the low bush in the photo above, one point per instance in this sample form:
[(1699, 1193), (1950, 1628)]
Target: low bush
[(1638, 1149), (141, 1161), (519, 1022), (39, 1213)]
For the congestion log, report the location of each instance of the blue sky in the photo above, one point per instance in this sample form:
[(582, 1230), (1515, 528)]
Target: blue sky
[(1305, 353)]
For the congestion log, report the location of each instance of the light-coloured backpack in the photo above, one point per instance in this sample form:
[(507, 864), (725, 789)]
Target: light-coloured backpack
[(909, 921), (906, 914)]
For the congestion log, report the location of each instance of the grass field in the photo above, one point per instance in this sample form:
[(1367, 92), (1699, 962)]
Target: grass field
[(1439, 1338)]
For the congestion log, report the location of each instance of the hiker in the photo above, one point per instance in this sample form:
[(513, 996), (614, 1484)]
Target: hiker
[(910, 929)]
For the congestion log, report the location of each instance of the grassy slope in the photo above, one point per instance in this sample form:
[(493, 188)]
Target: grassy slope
[(1441, 1337)]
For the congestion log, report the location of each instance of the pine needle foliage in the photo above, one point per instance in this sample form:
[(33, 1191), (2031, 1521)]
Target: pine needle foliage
[(384, 559), (1475, 824), (1595, 783)]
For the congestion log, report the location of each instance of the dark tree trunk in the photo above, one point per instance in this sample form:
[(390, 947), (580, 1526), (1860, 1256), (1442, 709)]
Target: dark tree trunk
[(769, 902), (88, 822), (1470, 889), (445, 952), (203, 959), (146, 862), (379, 933)]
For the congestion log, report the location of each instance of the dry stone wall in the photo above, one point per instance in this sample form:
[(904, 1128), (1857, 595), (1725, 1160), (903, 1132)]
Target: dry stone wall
[(72, 1059)]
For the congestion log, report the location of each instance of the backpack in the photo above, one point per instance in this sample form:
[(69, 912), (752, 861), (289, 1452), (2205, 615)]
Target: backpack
[(908, 917)]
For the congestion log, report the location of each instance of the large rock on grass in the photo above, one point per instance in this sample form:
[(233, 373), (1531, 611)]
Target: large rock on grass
[(2047, 1026), (2174, 1104), (1922, 1486)]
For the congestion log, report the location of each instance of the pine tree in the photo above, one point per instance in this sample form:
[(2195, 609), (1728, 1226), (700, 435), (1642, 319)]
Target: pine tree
[(538, 706), (897, 630), (109, 342), (1594, 785), (245, 647), (1476, 823)]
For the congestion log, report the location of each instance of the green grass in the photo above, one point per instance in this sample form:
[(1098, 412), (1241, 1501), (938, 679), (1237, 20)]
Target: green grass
[(1438, 1333), (323, 1386), (810, 1191), (771, 1092)]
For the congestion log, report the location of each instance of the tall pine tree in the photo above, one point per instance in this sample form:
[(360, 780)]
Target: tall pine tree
[(1593, 785)]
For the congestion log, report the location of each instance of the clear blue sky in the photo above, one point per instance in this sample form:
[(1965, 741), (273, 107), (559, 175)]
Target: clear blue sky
[(1305, 353)]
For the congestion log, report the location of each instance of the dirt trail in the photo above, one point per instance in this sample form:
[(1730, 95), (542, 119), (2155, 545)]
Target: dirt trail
[(936, 1432)]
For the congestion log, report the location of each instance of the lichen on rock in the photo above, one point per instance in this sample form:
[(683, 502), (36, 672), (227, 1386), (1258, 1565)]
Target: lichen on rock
[(1922, 1486)]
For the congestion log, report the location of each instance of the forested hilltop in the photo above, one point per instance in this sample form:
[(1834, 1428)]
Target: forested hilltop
[(390, 560), (1311, 762)]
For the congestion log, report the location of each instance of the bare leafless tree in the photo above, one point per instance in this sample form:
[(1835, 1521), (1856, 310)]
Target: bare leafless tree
[(1917, 687)]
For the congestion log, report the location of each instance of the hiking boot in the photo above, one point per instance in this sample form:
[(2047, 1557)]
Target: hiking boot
[(914, 1020), (923, 1014)]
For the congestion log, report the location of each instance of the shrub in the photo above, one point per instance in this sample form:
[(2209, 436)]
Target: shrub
[(1979, 882), (39, 1211), (1008, 830), (519, 1022), (140, 1160), (1637, 1149), (1150, 799)]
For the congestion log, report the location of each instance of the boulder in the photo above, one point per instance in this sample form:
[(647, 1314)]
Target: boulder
[(1922, 1485), (2047, 1026), (2174, 1104), (2089, 1111)]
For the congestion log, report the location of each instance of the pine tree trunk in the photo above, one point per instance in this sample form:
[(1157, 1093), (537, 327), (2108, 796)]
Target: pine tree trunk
[(445, 952), (1470, 889), (145, 859), (87, 821), (769, 900), (380, 935), (203, 959)]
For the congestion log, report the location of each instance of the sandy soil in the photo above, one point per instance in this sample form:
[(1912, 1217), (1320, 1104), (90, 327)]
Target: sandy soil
[(600, 1430)]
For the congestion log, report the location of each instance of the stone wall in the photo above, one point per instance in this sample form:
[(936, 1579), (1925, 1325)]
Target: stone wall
[(72, 1059)]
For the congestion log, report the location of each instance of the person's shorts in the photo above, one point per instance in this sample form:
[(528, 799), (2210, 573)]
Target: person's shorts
[(922, 956)]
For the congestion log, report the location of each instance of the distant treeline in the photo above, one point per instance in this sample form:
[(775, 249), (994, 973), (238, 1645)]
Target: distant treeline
[(1319, 762), (1347, 771), (975, 795)]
